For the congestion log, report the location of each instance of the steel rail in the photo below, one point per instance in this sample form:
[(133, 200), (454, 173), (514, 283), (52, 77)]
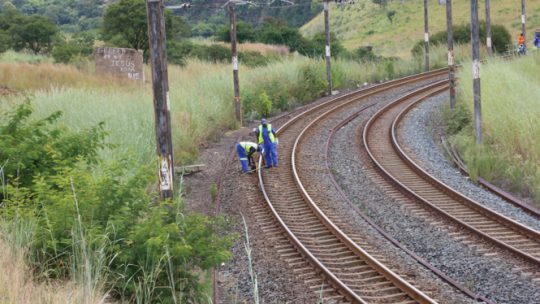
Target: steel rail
[(334, 281), (456, 158), (453, 194), (500, 218), (395, 242), (405, 286)]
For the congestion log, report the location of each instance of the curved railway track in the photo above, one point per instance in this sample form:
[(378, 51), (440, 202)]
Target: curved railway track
[(380, 141), (353, 273)]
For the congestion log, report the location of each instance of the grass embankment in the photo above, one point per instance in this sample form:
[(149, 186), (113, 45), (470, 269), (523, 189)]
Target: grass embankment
[(201, 95), (510, 153), (364, 23)]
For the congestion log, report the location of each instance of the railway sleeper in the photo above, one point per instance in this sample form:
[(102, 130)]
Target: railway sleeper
[(340, 252), (357, 273), (310, 235), (392, 290), (392, 298)]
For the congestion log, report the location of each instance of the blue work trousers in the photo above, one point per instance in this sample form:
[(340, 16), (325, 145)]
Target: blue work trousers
[(270, 154), (243, 157)]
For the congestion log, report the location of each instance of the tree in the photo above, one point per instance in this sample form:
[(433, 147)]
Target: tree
[(244, 32), (125, 24), (35, 33)]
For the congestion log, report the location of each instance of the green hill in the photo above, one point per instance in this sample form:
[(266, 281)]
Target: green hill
[(364, 23)]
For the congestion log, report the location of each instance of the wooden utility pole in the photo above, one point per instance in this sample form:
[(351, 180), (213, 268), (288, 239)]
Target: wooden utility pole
[(237, 104), (523, 28), (488, 29), (451, 68), (426, 36), (475, 37), (160, 86), (327, 48)]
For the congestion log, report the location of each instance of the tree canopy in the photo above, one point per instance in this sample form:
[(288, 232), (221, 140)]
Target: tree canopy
[(125, 25)]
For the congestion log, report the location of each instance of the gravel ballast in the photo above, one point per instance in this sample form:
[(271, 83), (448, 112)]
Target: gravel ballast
[(489, 276), (417, 129)]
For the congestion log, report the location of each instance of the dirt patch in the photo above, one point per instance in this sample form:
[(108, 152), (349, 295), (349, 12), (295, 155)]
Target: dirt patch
[(5, 91)]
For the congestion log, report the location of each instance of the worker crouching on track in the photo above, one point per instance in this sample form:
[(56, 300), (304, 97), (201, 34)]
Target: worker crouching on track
[(246, 151), (266, 136)]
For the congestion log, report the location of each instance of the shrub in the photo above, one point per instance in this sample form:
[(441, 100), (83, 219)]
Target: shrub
[(213, 53), (311, 82), (80, 45), (253, 58), (55, 178), (461, 34), (178, 51), (244, 33), (364, 54), (265, 105)]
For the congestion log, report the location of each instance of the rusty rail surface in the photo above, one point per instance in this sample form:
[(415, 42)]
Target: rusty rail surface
[(395, 242), (385, 151), (349, 269)]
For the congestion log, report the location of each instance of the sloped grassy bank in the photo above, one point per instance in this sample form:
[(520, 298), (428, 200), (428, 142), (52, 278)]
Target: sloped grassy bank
[(510, 153)]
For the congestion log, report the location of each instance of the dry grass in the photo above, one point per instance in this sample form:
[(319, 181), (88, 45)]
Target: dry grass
[(265, 49), (44, 76), (18, 286)]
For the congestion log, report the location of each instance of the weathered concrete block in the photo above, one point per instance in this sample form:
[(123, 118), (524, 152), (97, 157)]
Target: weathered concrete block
[(121, 62)]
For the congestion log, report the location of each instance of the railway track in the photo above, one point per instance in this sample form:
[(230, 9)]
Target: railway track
[(348, 269), (380, 141)]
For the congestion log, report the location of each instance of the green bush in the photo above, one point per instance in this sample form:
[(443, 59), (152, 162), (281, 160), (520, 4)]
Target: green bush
[(213, 53), (54, 177), (80, 45), (244, 33), (312, 82), (461, 34), (265, 105), (178, 51), (5, 41), (253, 59), (365, 54)]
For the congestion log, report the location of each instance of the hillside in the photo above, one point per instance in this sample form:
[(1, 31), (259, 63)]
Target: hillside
[(363, 23)]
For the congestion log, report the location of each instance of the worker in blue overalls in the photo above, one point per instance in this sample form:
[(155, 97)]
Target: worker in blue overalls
[(246, 151), (266, 136)]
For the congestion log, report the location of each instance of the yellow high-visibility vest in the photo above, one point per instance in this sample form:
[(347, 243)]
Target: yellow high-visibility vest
[(270, 134)]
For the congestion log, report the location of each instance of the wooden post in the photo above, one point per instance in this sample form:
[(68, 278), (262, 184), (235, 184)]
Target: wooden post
[(160, 86), (488, 29), (476, 70), (426, 36), (327, 48), (237, 104), (523, 28), (451, 68)]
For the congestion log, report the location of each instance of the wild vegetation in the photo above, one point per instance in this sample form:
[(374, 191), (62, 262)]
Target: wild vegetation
[(510, 153), (394, 28), (77, 150)]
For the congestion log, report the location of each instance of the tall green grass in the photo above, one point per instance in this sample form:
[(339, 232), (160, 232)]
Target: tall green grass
[(510, 95), (201, 96)]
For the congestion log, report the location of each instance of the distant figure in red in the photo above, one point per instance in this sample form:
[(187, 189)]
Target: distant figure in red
[(521, 44), (521, 39)]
